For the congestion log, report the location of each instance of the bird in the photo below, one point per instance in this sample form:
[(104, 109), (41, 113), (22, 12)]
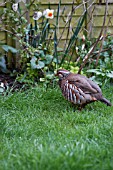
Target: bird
[(78, 89)]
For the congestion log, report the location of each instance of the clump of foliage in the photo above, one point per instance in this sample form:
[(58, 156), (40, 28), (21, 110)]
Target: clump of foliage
[(102, 67), (100, 63), (35, 52)]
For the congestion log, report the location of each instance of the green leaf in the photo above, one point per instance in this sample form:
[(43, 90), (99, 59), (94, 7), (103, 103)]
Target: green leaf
[(37, 54), (110, 75), (3, 67), (40, 65), (96, 71), (9, 48), (34, 64), (48, 59), (35, 25), (106, 54), (5, 47), (42, 54), (58, 12), (74, 36), (16, 19), (1, 89), (13, 50), (28, 27), (104, 43), (49, 76), (55, 45), (45, 31)]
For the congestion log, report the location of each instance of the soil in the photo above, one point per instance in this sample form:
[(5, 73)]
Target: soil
[(10, 82)]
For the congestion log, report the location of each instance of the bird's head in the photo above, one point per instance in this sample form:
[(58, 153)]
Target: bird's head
[(62, 73)]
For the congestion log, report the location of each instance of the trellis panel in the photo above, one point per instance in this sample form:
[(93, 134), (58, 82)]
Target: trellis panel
[(96, 20)]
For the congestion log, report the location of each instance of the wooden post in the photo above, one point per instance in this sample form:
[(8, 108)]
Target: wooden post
[(9, 41), (90, 19)]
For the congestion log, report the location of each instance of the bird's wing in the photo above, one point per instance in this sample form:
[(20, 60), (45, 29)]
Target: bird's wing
[(83, 83), (94, 85)]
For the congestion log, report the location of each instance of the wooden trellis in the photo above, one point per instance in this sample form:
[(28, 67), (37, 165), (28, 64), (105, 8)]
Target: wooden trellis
[(95, 16)]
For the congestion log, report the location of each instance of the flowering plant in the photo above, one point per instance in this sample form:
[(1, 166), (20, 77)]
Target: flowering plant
[(35, 39), (36, 45)]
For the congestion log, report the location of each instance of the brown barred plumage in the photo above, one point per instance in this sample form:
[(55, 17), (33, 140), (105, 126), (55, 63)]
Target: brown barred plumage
[(78, 89)]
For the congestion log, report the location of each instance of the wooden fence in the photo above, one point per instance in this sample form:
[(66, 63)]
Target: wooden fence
[(94, 17)]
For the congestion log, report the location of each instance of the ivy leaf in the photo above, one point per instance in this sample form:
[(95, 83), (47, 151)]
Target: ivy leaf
[(105, 54), (48, 59), (40, 64), (37, 54), (42, 55), (35, 64)]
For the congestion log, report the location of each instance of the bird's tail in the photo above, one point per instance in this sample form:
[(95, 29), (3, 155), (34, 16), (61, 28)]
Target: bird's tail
[(104, 100)]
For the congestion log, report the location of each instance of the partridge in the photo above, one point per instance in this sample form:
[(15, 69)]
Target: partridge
[(79, 89)]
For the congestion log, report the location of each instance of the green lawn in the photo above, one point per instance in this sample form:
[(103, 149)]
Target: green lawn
[(40, 131)]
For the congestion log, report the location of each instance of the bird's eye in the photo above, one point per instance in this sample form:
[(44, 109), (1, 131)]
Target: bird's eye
[(60, 75)]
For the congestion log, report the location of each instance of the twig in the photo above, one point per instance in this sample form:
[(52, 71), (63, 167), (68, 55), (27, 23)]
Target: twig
[(70, 14), (2, 4), (96, 53), (29, 7), (103, 35), (75, 8), (93, 47), (2, 29)]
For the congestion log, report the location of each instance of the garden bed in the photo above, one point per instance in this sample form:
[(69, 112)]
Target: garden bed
[(10, 82)]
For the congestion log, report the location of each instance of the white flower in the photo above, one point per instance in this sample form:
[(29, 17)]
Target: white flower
[(15, 7), (37, 15), (48, 13)]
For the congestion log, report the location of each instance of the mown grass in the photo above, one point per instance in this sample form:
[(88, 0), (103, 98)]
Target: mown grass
[(41, 131)]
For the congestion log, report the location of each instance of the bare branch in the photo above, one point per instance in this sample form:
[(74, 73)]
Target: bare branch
[(93, 47)]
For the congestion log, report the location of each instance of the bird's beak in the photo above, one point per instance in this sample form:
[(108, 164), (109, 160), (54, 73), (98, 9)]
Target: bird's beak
[(56, 74)]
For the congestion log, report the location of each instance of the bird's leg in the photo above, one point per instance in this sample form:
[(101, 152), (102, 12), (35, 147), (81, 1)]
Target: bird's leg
[(73, 105), (81, 107)]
